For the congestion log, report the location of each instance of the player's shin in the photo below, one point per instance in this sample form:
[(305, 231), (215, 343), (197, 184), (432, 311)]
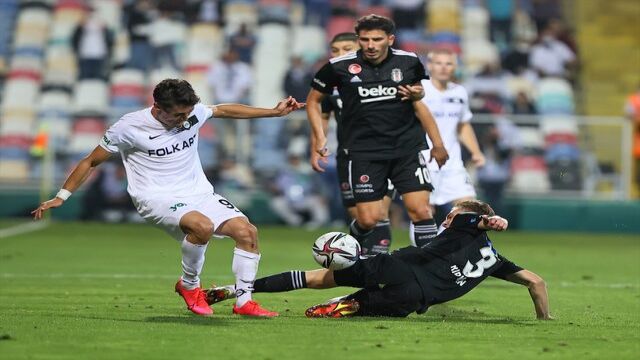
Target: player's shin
[(245, 268), (360, 234), (286, 281), (378, 241), (192, 263)]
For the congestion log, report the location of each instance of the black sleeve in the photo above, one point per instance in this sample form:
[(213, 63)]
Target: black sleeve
[(419, 72), (325, 79), (466, 221), (326, 105), (506, 268)]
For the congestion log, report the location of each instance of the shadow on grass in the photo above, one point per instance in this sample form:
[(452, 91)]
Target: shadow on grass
[(168, 319)]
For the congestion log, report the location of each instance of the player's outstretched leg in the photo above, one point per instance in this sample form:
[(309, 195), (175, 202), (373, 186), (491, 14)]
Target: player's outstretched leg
[(245, 265), (337, 309)]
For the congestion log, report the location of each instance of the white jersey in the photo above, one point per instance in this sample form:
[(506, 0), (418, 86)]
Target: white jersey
[(450, 108), (159, 162)]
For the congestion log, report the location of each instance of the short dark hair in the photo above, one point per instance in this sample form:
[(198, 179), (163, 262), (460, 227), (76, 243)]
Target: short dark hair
[(345, 36), (171, 92), (375, 22), (476, 206)]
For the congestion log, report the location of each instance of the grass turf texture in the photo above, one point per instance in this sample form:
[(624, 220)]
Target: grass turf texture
[(79, 291)]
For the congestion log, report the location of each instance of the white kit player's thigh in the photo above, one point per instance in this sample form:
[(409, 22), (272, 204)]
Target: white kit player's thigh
[(452, 185), (167, 212)]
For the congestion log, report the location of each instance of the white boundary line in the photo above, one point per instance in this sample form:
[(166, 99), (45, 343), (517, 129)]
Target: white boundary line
[(23, 228)]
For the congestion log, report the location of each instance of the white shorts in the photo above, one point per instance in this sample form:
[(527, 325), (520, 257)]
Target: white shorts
[(167, 212), (450, 185)]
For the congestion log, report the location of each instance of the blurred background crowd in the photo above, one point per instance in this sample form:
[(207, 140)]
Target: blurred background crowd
[(556, 110)]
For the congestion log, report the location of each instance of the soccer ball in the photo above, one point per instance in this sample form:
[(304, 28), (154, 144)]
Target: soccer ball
[(336, 250)]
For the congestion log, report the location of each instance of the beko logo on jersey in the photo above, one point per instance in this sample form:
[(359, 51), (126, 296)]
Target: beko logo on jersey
[(378, 93), (174, 148)]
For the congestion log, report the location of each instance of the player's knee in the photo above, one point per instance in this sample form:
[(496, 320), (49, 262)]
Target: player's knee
[(420, 213), (247, 236), (367, 221), (202, 231), (537, 282)]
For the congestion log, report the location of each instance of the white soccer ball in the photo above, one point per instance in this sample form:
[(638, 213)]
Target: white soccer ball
[(336, 250)]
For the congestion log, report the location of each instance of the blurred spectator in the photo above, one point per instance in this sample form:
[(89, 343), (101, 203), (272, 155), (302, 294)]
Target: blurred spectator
[(106, 199), (243, 42), (317, 12), (92, 42), (544, 11), (632, 110), (230, 80), (522, 105), (500, 15), (488, 90), (516, 59), (495, 174), (550, 56), (297, 79), (296, 196), (139, 16), (407, 14), (233, 177), (206, 11), (166, 34)]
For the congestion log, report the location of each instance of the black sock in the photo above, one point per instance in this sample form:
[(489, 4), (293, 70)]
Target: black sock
[(286, 281), (358, 232), (379, 240), (424, 231)]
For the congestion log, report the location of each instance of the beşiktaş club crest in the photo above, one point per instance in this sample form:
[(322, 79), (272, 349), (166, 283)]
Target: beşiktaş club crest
[(355, 69), (396, 75)]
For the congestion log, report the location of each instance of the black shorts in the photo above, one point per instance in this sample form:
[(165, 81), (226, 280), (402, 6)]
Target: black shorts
[(389, 287), (369, 178), (346, 192)]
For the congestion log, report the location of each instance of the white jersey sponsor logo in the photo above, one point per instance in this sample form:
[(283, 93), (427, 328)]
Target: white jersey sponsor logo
[(378, 93)]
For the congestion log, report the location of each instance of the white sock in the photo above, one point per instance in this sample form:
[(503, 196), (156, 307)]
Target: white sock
[(192, 263), (245, 267)]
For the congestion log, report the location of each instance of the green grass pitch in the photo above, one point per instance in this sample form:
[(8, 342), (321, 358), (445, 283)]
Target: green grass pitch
[(96, 291)]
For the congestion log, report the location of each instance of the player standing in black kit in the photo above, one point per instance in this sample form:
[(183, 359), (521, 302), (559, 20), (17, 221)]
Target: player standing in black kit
[(380, 93)]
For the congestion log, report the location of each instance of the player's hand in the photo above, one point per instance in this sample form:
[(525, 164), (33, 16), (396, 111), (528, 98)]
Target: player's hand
[(495, 223), (411, 92), (478, 159), (316, 159), (288, 105), (49, 204), (440, 154)]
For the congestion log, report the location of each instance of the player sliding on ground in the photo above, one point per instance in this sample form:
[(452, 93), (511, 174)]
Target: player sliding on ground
[(159, 146), (412, 279)]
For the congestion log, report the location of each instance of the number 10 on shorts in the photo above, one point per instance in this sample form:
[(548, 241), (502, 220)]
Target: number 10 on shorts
[(422, 173)]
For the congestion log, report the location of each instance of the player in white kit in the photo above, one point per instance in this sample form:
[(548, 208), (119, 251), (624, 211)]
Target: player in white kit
[(449, 105), (158, 146)]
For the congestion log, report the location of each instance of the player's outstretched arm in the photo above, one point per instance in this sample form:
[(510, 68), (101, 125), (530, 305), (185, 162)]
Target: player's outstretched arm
[(537, 290), (240, 111), (470, 141), (315, 159), (495, 223), (75, 179), (438, 152), (314, 115)]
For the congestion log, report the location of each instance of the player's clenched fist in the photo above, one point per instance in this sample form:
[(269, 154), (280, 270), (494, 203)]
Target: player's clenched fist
[(495, 223)]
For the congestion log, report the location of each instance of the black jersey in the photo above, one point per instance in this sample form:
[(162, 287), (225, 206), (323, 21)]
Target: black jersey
[(333, 103), (376, 123), (455, 262)]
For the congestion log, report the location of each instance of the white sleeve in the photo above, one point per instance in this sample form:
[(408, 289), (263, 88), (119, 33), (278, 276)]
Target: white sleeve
[(202, 112), (116, 138), (466, 112)]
